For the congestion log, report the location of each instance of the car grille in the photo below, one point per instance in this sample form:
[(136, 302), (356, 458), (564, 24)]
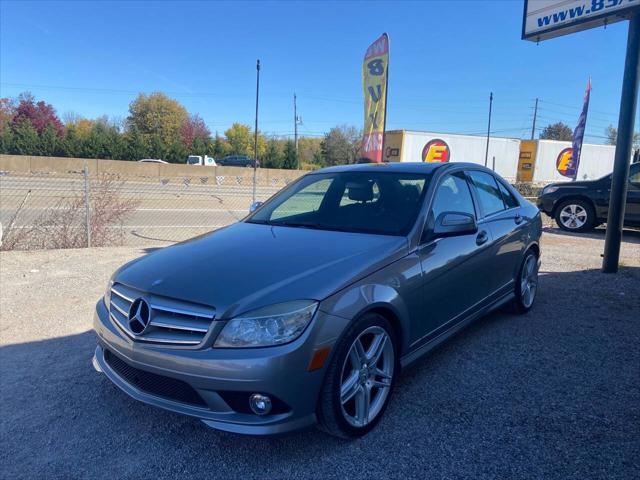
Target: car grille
[(154, 384), (171, 321)]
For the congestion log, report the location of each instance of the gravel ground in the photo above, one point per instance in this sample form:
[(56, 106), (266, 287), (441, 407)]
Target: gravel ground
[(553, 394)]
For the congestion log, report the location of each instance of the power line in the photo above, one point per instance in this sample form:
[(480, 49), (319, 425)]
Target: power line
[(567, 115), (506, 109), (430, 103), (445, 104), (573, 107), (110, 91)]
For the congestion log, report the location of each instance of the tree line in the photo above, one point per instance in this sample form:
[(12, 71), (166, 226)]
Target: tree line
[(158, 126)]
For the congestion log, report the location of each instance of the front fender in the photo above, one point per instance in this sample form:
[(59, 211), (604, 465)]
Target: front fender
[(355, 301)]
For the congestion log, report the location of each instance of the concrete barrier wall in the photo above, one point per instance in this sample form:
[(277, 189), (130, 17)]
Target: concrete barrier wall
[(17, 164)]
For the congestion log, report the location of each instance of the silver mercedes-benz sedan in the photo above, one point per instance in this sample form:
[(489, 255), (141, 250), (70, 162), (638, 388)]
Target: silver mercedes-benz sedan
[(305, 312)]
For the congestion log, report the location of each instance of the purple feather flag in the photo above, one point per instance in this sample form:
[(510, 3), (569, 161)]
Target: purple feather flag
[(578, 135)]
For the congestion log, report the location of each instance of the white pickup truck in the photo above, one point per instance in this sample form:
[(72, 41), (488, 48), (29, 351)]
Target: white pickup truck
[(198, 160)]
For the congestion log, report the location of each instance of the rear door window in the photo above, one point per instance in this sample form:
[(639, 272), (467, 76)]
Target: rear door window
[(509, 199), (487, 192)]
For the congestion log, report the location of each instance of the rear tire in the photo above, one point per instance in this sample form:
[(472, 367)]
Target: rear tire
[(575, 216), (526, 283), (360, 378)]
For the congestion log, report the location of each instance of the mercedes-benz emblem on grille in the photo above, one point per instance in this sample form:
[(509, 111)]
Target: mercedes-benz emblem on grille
[(139, 316)]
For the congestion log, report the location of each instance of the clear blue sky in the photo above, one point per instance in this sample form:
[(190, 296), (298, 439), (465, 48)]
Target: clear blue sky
[(446, 56)]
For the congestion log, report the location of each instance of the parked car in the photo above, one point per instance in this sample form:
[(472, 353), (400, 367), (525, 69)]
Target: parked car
[(237, 161), (306, 311), (583, 205), (152, 160)]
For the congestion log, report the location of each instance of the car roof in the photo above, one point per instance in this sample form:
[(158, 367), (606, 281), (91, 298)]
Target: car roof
[(399, 167)]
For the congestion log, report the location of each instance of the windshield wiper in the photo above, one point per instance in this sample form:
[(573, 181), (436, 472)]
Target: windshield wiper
[(346, 229), (296, 225), (319, 226), (283, 224)]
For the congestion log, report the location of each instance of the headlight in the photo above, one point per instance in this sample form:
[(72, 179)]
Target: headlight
[(549, 189), (107, 294), (272, 325)]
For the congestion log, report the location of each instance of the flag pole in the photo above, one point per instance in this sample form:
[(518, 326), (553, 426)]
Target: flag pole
[(386, 96), (255, 133), (486, 153)]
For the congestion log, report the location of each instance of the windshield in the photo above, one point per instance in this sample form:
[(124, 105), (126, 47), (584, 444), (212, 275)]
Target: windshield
[(634, 169), (368, 202)]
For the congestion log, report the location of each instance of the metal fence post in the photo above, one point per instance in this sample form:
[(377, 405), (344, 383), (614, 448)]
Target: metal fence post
[(87, 205)]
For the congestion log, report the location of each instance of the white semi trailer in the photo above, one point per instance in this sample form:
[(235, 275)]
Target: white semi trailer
[(538, 161), (541, 161), (412, 146)]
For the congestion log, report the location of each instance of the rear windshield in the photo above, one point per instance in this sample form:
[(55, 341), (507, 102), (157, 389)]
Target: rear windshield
[(367, 202)]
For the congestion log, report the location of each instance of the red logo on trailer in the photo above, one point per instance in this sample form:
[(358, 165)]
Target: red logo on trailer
[(437, 151)]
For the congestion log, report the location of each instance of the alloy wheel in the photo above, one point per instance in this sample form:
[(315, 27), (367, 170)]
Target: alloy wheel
[(573, 216), (529, 281), (367, 375)]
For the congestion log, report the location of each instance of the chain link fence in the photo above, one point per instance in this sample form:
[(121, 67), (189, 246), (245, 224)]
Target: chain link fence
[(124, 203), (75, 209)]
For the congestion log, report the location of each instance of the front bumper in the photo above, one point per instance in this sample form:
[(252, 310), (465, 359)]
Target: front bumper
[(546, 204), (280, 372)]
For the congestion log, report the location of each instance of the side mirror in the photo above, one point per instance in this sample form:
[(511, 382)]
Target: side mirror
[(450, 224), (254, 206)]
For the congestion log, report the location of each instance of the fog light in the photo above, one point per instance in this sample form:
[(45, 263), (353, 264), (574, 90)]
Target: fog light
[(260, 404)]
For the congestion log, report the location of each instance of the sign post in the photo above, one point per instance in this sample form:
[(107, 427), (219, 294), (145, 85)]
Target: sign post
[(626, 121), (545, 19), (255, 132)]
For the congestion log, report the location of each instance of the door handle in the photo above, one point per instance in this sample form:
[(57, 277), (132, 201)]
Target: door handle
[(482, 238), (518, 219)]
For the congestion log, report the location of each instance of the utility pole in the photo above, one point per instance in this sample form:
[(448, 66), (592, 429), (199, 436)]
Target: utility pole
[(255, 132), (486, 153), (620, 176), (87, 205), (295, 129), (535, 116)]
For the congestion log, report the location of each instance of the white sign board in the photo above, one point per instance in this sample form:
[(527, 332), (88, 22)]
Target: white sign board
[(544, 19)]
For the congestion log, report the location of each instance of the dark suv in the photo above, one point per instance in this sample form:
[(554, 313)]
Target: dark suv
[(238, 161), (582, 206)]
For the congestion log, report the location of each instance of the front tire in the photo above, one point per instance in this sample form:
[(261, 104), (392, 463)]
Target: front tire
[(575, 216), (359, 379)]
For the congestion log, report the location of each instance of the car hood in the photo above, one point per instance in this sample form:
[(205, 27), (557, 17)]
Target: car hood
[(245, 266), (580, 183)]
